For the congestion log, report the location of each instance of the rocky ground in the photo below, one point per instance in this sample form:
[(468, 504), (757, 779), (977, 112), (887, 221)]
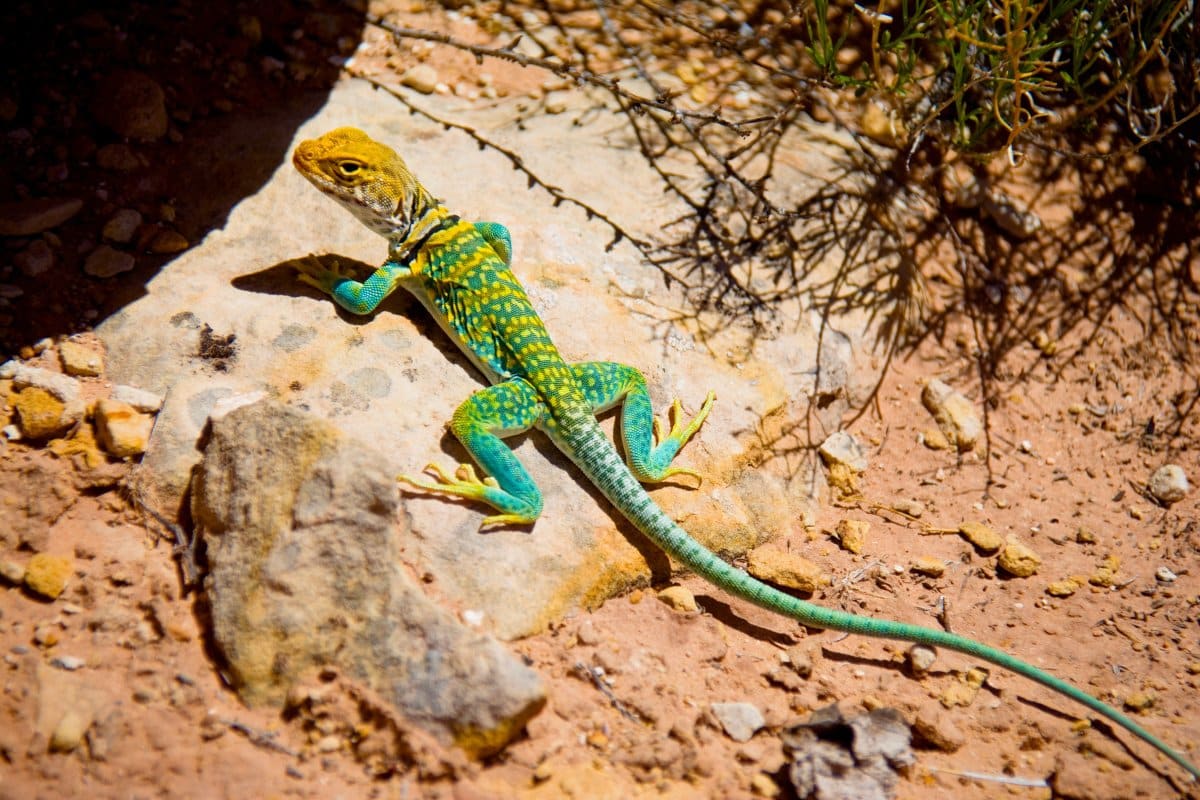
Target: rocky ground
[(114, 686)]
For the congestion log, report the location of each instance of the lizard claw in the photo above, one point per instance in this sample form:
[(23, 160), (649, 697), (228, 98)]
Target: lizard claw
[(314, 272), (680, 432)]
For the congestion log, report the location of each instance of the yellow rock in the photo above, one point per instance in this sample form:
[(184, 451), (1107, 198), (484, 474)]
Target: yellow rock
[(963, 691), (1139, 701), (985, 540), (167, 241), (764, 786), (81, 442), (934, 439), (41, 414), (844, 479), (929, 565), (122, 429), (1106, 574), (785, 569), (69, 731), (79, 359), (852, 534), (1019, 560), (678, 598), (1063, 588), (47, 575), (881, 125)]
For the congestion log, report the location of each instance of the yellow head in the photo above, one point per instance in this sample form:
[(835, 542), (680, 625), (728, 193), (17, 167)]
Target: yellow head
[(366, 177)]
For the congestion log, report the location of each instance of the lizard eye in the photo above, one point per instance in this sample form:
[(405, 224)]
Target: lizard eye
[(349, 167)]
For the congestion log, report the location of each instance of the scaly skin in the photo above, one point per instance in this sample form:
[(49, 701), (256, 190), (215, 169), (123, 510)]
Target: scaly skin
[(460, 272)]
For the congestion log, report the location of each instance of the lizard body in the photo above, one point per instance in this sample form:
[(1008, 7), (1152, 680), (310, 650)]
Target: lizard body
[(460, 272)]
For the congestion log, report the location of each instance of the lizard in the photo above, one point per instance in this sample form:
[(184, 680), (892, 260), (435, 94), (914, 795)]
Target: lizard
[(461, 272)]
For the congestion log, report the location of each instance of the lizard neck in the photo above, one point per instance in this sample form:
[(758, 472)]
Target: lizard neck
[(404, 247)]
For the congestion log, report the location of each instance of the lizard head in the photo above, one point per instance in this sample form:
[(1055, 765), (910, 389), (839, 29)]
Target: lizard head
[(366, 177)]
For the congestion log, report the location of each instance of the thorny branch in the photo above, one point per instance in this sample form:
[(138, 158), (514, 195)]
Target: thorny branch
[(722, 91)]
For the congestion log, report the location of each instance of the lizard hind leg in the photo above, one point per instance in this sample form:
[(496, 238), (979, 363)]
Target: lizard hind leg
[(650, 446), (480, 423)]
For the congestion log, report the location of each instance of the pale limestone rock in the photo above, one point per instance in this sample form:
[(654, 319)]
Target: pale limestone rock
[(920, 658), (842, 447), (740, 721), (64, 387), (303, 542), (422, 77), (1168, 484), (954, 414), (140, 399)]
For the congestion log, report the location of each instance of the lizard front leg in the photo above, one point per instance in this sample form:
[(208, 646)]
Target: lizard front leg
[(480, 423), (354, 296), (649, 449)]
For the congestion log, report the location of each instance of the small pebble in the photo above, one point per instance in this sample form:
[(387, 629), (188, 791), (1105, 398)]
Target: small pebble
[(47, 575), (12, 572), (920, 658), (80, 360), (1018, 560), (1106, 574), (1139, 701), (1168, 484), (423, 78), (929, 565), (121, 226), (1165, 575), (69, 663), (105, 262), (852, 534), (1063, 588), (69, 731), (679, 598), (984, 539), (739, 720)]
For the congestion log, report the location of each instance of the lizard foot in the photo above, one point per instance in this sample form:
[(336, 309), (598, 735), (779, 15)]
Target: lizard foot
[(679, 434), (313, 271), (465, 482)]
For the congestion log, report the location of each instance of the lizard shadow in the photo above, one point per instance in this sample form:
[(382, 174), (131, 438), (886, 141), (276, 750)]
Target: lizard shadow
[(280, 280), (728, 616)]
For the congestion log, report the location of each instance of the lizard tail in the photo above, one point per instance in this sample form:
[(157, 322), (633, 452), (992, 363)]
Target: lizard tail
[(591, 450)]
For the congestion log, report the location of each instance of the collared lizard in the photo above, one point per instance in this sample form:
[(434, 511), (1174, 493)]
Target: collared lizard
[(460, 273)]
